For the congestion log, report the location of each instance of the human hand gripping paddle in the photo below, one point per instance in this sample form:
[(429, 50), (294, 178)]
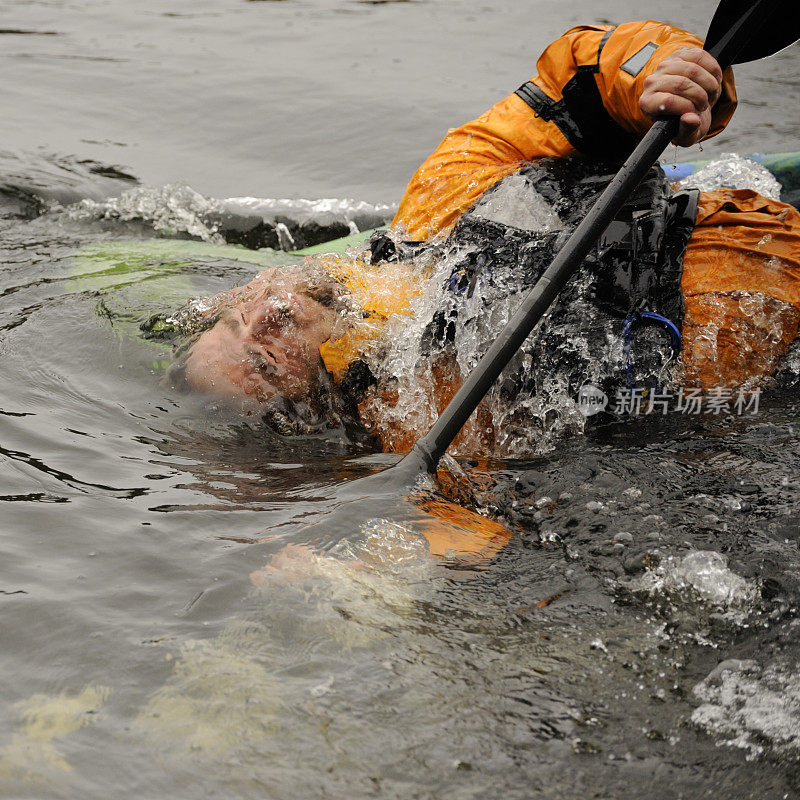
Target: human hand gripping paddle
[(741, 31)]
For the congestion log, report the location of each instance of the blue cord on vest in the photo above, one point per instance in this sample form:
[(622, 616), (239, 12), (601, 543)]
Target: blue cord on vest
[(645, 318)]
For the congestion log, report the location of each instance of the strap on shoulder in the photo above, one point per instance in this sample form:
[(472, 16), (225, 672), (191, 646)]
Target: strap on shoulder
[(580, 115)]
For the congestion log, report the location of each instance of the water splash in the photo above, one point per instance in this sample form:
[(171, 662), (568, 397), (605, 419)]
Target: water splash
[(282, 224), (172, 210), (755, 326), (308, 276), (732, 171), (358, 215), (417, 379), (759, 326), (404, 402), (701, 578), (514, 202), (751, 708)]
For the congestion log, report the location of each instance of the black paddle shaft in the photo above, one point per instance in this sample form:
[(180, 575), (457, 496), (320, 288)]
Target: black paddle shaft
[(428, 450)]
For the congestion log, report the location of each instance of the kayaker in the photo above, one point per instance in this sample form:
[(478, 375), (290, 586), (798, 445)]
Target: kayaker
[(595, 94)]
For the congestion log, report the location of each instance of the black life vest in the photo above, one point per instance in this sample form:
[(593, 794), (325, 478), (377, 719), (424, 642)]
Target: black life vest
[(616, 322)]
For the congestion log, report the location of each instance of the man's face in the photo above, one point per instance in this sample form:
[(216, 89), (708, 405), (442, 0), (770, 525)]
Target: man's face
[(262, 347)]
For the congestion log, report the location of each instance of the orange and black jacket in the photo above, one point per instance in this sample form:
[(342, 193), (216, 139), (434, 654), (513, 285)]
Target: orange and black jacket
[(584, 100)]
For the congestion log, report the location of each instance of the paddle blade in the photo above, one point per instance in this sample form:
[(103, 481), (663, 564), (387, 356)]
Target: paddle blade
[(746, 30)]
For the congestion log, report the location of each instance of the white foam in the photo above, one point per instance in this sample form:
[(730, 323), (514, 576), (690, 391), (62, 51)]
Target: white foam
[(174, 208), (750, 707), (303, 210), (177, 208)]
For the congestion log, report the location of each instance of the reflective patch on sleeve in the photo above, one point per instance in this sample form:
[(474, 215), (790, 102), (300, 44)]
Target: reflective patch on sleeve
[(635, 64)]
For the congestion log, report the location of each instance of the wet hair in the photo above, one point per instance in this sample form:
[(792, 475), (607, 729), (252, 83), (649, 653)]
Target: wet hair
[(175, 376)]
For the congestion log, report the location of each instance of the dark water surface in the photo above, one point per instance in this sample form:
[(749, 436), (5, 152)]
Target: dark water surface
[(145, 648), (304, 98)]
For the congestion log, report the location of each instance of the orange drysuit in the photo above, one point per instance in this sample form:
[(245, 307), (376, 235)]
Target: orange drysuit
[(741, 274)]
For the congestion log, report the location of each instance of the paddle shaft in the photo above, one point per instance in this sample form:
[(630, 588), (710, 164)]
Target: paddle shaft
[(431, 447)]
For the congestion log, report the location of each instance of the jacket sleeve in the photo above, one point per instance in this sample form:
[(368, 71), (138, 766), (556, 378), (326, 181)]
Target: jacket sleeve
[(620, 59), (585, 100)]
